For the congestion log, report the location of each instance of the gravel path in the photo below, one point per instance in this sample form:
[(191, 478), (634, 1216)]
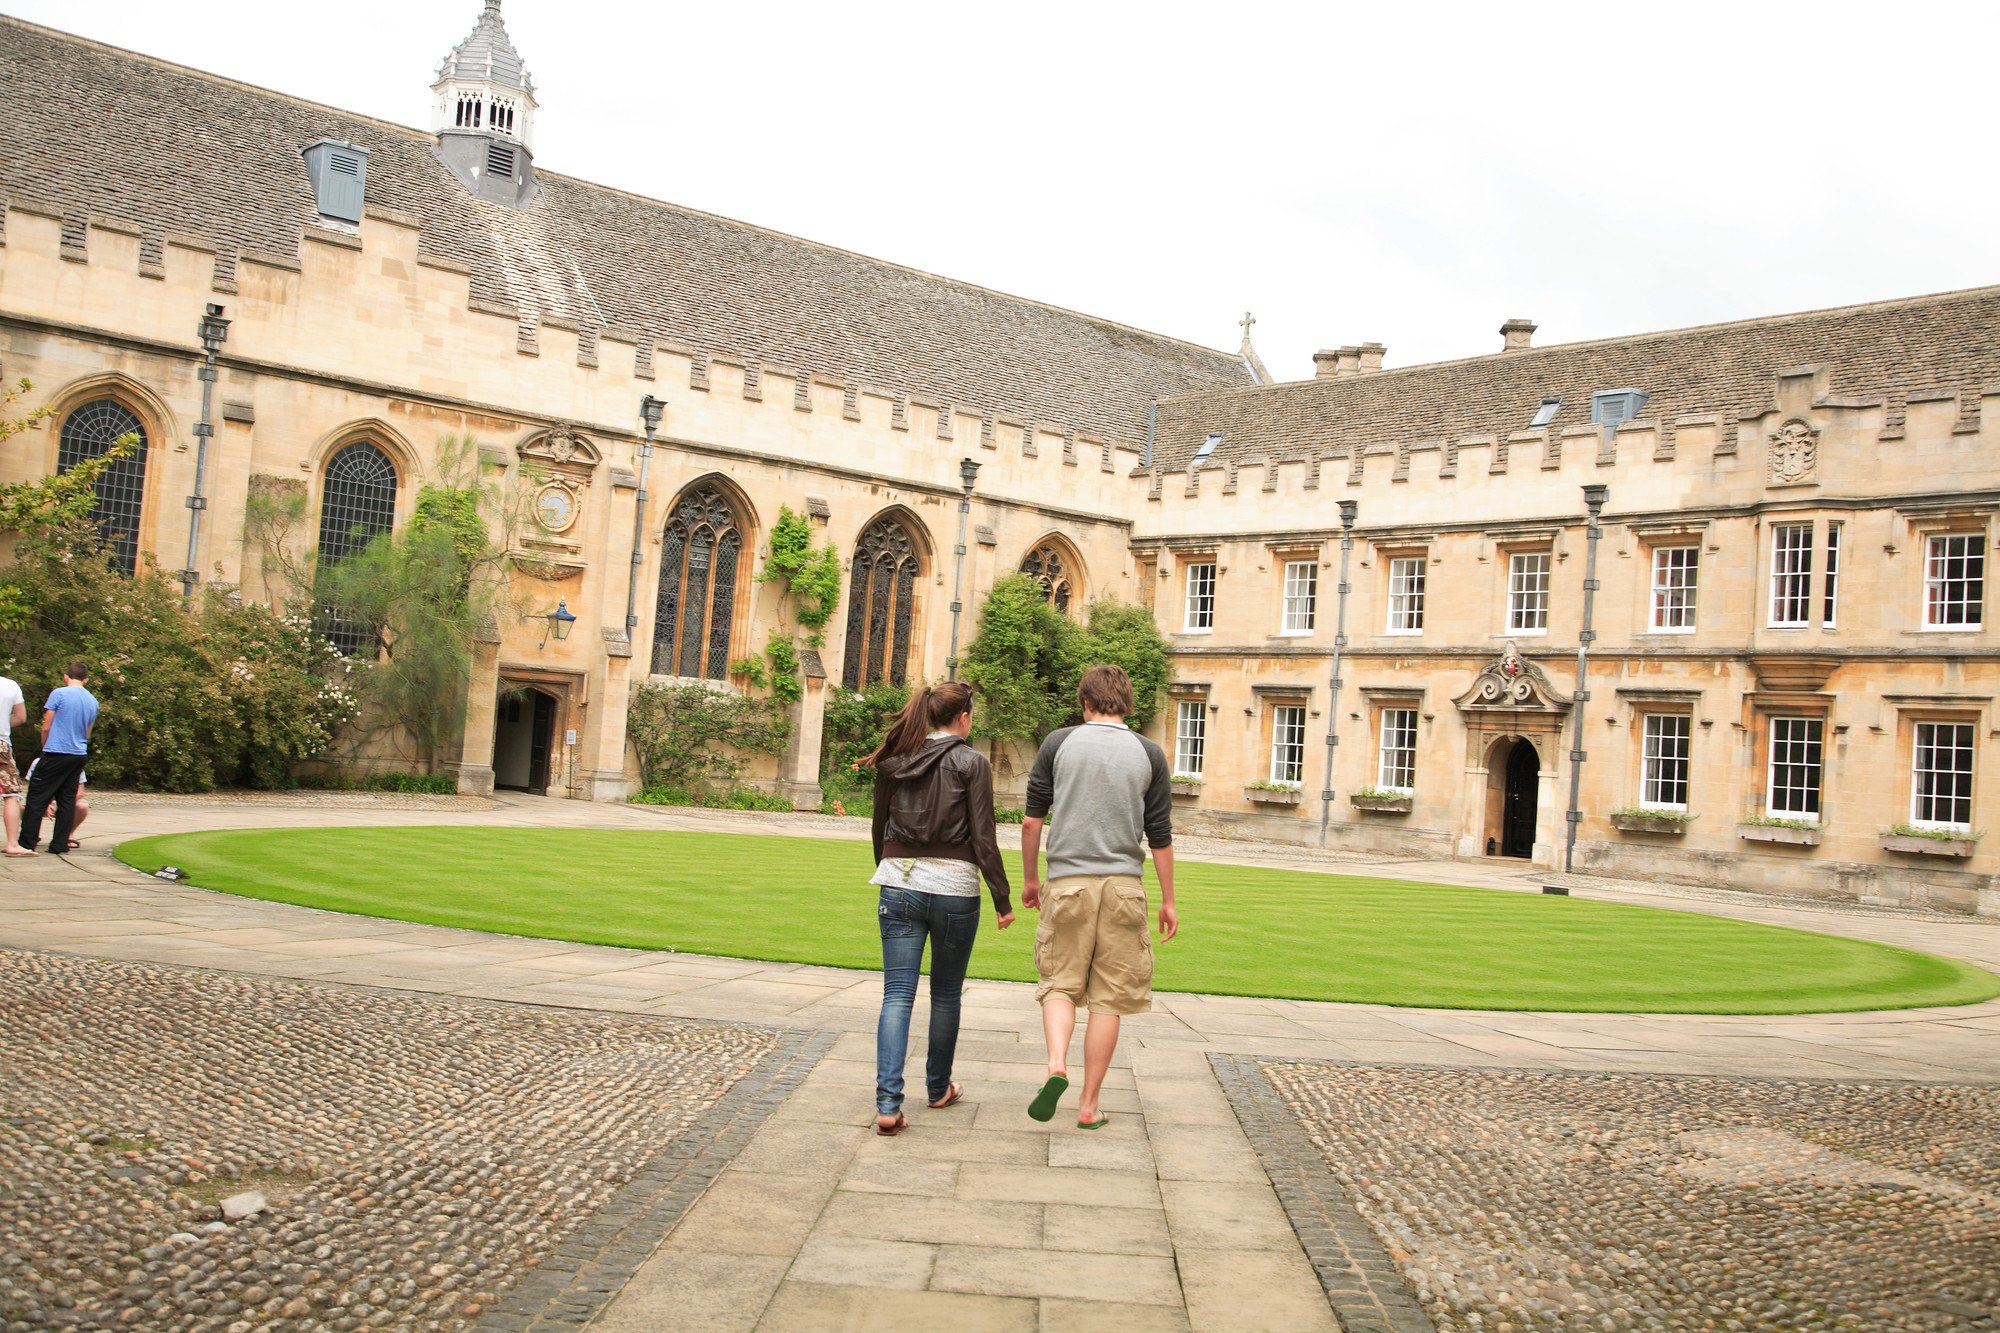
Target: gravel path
[(1538, 1203), (418, 1153)]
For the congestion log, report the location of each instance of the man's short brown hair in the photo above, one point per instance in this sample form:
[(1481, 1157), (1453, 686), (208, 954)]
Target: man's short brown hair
[(77, 670), (1105, 690)]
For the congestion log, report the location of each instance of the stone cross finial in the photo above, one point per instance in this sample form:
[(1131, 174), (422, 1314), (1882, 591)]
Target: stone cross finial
[(1247, 320)]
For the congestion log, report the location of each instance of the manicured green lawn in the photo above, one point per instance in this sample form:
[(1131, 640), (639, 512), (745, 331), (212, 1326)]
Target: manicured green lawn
[(1245, 931)]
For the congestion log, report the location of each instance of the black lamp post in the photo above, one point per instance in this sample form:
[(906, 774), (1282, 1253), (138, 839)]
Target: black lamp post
[(968, 473), (1348, 509), (214, 331), (651, 410), (560, 621), (1594, 497)]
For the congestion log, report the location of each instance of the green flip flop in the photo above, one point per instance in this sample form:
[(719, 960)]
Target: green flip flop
[(1044, 1105), (1099, 1123)]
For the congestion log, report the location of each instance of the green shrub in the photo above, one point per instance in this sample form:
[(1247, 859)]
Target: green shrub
[(852, 726), (734, 798), (694, 738), (1027, 658), (194, 697), (1007, 814)]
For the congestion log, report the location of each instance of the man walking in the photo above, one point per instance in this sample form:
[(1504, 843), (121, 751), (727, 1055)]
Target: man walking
[(67, 718), (1110, 788), (13, 712)]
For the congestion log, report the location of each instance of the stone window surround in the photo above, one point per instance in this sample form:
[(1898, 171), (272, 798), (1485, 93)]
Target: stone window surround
[(1914, 709), (1642, 702)]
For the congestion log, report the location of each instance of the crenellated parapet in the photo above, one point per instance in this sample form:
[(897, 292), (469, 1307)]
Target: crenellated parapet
[(374, 305)]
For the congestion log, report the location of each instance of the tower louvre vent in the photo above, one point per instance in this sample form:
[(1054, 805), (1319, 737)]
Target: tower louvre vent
[(339, 174), (500, 160)]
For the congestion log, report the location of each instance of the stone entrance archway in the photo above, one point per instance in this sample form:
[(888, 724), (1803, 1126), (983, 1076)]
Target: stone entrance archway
[(1513, 726)]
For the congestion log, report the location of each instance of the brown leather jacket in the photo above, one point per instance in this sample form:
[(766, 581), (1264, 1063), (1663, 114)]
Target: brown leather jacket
[(937, 800)]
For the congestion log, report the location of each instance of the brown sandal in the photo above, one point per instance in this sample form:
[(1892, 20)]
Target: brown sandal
[(951, 1095), (891, 1130)]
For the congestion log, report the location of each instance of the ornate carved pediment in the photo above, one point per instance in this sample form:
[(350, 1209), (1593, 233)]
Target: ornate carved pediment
[(562, 449), (1513, 685)]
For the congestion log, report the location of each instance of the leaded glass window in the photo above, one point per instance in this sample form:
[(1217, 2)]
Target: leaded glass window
[(881, 604), (1052, 567), (696, 609), (357, 504), (89, 432)]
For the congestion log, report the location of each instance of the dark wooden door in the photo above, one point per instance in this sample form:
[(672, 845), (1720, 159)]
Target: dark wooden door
[(1524, 785), (542, 739)]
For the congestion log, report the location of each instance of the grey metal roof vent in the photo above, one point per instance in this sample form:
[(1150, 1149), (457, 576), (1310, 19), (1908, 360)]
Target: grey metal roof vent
[(1611, 408), (1546, 413), (500, 160), (339, 172), (1208, 446)]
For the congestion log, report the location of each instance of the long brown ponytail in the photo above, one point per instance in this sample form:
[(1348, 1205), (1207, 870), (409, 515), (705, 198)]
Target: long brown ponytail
[(930, 707)]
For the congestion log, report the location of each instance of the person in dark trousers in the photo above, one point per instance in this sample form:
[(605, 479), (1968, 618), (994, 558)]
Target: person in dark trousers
[(1110, 790), (933, 840), (67, 717)]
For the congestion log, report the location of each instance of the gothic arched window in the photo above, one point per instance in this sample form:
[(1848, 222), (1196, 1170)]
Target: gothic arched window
[(357, 504), (881, 604), (697, 603), (89, 432), (1052, 566)]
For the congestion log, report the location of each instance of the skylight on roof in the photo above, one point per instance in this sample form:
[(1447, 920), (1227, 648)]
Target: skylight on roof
[(1546, 413), (1208, 446)]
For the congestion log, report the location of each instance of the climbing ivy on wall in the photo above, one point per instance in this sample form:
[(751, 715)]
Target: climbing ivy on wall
[(811, 575)]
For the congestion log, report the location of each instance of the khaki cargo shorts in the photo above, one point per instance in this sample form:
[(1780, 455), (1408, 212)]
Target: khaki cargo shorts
[(11, 786), (1092, 944)]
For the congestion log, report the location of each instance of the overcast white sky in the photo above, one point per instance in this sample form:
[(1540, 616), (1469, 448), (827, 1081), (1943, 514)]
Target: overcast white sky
[(1411, 174)]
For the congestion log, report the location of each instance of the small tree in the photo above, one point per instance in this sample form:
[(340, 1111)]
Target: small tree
[(425, 592), (1027, 658), (1019, 660), (1127, 636)]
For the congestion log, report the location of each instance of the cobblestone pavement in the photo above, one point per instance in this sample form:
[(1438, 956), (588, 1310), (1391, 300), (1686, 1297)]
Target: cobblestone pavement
[(779, 1209), (1564, 1203), (419, 1154)]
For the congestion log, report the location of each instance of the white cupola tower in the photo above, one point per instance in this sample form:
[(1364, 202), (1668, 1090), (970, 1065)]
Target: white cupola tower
[(483, 112)]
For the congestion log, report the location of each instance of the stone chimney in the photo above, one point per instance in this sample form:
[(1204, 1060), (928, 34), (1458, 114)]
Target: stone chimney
[(1326, 364), (1346, 361), (1515, 335), (1369, 358)]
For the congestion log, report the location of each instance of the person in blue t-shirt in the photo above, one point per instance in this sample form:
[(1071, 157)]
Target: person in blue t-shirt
[(67, 718)]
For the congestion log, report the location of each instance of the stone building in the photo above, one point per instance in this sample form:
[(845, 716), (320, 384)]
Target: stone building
[(1790, 656)]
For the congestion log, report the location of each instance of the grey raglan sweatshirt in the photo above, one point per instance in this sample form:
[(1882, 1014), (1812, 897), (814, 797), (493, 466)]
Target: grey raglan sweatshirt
[(1110, 787)]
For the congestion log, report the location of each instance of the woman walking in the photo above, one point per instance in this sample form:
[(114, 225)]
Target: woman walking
[(933, 839)]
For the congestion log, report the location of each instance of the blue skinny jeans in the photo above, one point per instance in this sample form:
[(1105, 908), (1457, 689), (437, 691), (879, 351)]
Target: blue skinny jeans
[(907, 918)]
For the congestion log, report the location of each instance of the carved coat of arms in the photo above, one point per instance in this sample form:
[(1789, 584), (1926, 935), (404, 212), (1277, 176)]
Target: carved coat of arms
[(1794, 453)]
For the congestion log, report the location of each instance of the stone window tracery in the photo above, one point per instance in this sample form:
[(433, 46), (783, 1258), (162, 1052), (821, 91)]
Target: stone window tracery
[(89, 432), (696, 607), (1056, 570), (881, 604), (357, 504)]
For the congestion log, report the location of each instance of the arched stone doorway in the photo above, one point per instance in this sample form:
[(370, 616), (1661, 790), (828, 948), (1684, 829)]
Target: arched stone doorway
[(1513, 727), (1513, 797), (524, 727)]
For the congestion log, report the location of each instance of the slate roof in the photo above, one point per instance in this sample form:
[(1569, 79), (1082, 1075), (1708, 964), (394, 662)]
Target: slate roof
[(93, 129), (488, 54), (1884, 351)]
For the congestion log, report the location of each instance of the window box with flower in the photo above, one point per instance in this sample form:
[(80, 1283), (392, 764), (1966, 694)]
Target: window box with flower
[(1646, 819), (1272, 793), (1925, 840), (1382, 800)]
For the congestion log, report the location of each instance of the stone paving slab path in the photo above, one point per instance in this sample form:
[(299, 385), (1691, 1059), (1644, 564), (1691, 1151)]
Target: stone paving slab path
[(977, 1216)]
